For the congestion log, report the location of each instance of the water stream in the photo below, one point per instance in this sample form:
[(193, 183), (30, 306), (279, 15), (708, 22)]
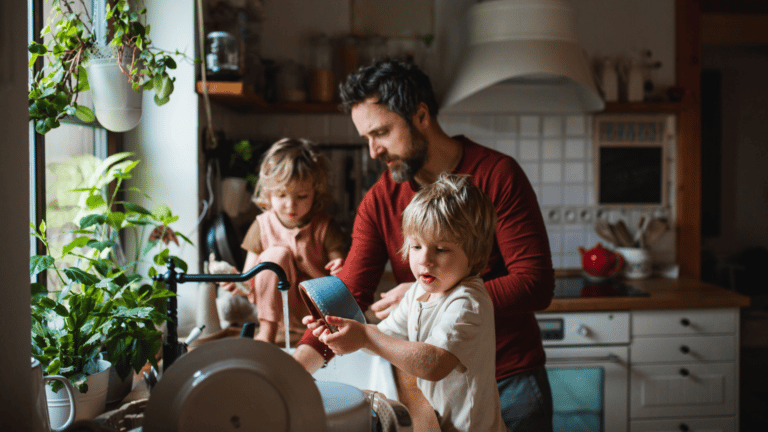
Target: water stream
[(286, 320)]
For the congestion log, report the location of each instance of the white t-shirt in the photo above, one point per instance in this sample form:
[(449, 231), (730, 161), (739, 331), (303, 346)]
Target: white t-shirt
[(461, 322)]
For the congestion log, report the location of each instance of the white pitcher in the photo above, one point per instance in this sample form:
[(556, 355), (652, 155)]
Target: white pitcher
[(41, 421)]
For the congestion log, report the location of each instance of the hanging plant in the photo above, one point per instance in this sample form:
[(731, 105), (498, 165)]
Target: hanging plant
[(71, 43)]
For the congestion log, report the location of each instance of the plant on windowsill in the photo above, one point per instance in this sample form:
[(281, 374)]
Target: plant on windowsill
[(103, 305), (75, 63)]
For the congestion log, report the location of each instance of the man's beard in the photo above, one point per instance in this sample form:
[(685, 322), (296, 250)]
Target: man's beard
[(411, 162)]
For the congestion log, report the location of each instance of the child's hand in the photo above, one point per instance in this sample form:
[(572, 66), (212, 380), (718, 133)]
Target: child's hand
[(335, 266), (350, 337)]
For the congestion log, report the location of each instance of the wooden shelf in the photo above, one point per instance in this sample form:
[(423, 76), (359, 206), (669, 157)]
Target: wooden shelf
[(645, 107), (242, 97)]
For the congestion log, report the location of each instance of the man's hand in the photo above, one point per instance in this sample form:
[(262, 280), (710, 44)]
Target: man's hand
[(350, 337), (335, 266), (390, 300)]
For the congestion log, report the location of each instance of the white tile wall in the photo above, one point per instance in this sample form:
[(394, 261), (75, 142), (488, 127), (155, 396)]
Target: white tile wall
[(554, 151)]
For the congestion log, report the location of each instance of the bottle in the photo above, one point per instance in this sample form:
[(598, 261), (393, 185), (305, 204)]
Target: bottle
[(610, 81), (222, 58), (321, 72)]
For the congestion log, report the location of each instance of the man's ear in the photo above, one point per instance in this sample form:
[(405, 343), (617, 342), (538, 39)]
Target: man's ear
[(422, 119)]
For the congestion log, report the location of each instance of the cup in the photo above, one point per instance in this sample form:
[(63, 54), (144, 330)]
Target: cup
[(41, 419), (637, 262)]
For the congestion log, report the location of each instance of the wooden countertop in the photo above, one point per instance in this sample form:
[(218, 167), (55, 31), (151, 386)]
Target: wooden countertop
[(663, 294)]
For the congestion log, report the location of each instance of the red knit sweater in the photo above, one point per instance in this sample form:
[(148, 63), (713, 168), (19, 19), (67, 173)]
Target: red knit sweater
[(519, 277)]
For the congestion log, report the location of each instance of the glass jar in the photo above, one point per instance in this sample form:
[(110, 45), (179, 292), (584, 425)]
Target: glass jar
[(321, 70), (222, 60)]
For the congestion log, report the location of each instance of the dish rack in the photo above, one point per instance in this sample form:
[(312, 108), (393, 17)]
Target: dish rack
[(129, 417)]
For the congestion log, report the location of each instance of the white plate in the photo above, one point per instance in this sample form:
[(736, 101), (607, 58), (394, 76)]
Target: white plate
[(235, 384)]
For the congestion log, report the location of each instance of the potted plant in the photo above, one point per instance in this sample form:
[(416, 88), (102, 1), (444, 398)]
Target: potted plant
[(75, 63), (103, 304)]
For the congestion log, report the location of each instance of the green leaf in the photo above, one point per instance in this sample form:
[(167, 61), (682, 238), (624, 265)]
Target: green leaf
[(39, 263), (91, 220), (85, 114), (186, 239), (77, 275), (115, 219), (78, 242), (101, 245), (38, 290), (95, 201), (161, 212), (161, 102), (135, 208)]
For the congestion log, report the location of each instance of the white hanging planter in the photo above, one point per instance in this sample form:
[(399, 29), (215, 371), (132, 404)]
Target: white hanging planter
[(116, 105)]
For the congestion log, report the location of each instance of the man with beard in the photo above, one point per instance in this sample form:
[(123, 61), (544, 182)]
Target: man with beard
[(393, 106)]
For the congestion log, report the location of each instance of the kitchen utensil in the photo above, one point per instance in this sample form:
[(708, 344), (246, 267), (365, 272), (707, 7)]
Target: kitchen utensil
[(41, 421), (235, 383), (347, 408), (329, 296), (600, 263), (623, 234), (642, 224), (655, 230), (637, 262), (603, 229)]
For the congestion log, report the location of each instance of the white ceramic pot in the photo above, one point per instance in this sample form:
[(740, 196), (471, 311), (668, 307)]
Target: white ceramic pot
[(637, 262), (116, 105), (87, 405)]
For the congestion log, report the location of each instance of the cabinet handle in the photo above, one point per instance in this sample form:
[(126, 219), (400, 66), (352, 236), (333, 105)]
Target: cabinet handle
[(683, 427), (684, 372), (684, 349), (685, 322)]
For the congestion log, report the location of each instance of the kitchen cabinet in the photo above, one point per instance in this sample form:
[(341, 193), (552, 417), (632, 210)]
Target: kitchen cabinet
[(684, 370)]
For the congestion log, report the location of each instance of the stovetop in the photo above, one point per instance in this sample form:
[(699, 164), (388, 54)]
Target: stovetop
[(580, 287)]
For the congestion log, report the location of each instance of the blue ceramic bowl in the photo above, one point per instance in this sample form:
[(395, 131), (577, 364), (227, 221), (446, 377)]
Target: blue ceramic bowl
[(329, 296)]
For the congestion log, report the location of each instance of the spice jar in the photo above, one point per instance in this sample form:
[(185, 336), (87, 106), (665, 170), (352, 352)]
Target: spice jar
[(321, 73), (222, 59)]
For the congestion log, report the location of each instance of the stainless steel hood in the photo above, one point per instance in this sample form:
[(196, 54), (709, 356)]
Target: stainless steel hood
[(523, 57)]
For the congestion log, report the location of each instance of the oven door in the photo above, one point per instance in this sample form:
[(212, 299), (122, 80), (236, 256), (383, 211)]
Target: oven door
[(589, 388)]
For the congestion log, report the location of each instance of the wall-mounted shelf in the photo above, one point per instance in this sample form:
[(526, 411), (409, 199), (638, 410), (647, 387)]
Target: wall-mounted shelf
[(645, 107), (242, 97)]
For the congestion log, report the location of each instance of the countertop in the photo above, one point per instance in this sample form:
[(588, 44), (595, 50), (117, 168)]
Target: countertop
[(663, 293)]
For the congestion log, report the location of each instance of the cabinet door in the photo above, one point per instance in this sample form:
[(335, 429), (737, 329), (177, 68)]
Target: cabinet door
[(684, 322), (683, 349), (687, 389), (725, 424)]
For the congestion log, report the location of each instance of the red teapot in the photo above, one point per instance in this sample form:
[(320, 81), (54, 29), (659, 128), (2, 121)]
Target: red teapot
[(600, 262)]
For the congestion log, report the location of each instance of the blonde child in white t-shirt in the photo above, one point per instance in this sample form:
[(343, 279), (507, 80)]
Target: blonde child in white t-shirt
[(442, 332)]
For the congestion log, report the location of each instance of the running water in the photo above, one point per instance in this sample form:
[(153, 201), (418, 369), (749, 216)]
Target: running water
[(286, 320)]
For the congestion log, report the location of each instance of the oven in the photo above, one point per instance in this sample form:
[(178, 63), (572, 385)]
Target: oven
[(588, 369)]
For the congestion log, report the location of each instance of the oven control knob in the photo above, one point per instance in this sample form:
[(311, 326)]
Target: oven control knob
[(582, 330)]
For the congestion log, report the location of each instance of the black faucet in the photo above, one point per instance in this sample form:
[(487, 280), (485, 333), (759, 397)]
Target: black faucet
[(172, 349)]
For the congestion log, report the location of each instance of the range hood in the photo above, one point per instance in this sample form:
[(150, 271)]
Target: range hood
[(523, 56)]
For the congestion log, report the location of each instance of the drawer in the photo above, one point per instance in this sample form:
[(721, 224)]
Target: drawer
[(717, 424), (683, 349), (684, 322), (683, 390)]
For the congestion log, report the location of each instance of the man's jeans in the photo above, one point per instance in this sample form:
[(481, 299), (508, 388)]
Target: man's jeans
[(526, 401)]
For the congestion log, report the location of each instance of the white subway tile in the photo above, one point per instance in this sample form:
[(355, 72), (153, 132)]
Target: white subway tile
[(530, 126), (574, 172), (575, 126), (552, 149), (575, 195), (574, 148), (555, 235), (551, 195), (552, 126), (507, 146), (531, 171), (506, 125), (551, 172), (529, 150)]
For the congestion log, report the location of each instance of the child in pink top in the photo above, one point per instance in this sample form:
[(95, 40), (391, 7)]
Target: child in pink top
[(293, 232)]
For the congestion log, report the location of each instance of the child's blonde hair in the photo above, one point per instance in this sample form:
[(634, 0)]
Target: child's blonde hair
[(453, 209), (290, 160)]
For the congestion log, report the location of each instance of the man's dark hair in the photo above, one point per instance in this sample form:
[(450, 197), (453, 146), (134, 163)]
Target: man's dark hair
[(400, 86)]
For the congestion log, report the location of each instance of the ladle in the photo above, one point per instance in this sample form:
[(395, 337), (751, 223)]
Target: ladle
[(172, 349)]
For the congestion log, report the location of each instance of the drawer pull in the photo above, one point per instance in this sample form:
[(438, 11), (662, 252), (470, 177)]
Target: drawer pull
[(684, 372), (683, 427), (613, 358), (685, 322), (684, 349)]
